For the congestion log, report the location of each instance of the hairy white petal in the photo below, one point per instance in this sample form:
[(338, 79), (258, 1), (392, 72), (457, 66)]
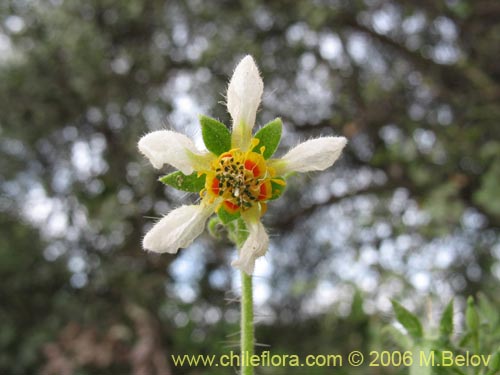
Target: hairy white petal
[(169, 147), (254, 247), (178, 229), (243, 98), (313, 155)]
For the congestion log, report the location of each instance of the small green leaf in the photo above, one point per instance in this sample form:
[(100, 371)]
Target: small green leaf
[(191, 183), (409, 321), (225, 216), (446, 324), (277, 188), (269, 136), (216, 136), (471, 316)]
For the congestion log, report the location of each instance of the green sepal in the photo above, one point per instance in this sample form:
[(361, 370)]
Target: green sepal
[(276, 188), (269, 136), (446, 323), (216, 136), (225, 216), (191, 183), (214, 227), (409, 321)]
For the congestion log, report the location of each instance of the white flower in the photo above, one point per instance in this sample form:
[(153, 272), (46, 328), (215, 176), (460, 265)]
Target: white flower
[(168, 147), (255, 246), (312, 155), (178, 229), (239, 180), (243, 98)]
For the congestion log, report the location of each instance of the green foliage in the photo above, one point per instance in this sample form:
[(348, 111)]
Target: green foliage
[(489, 310), (443, 205), (28, 282), (471, 315), (481, 337), (225, 216), (191, 183), (269, 137), (446, 323), (216, 136), (487, 195), (409, 321), (495, 363)]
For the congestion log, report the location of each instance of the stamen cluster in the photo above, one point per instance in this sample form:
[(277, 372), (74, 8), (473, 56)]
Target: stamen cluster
[(240, 178), (236, 180)]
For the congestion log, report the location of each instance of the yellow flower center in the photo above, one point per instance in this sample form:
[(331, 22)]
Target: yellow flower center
[(240, 180)]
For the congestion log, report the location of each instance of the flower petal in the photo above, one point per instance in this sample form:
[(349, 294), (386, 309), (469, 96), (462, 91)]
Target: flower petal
[(243, 98), (178, 229), (254, 247), (313, 155), (169, 147)]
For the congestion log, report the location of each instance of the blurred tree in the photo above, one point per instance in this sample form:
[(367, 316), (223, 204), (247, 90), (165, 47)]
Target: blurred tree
[(413, 211)]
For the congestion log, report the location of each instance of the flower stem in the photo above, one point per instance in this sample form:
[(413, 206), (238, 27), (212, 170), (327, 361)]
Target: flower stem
[(247, 330)]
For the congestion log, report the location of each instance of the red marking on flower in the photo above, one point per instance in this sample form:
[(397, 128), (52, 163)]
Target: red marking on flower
[(251, 166), (263, 192), (215, 186), (231, 207)]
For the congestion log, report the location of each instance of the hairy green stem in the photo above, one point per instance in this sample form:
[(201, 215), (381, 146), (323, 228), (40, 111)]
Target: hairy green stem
[(247, 329)]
